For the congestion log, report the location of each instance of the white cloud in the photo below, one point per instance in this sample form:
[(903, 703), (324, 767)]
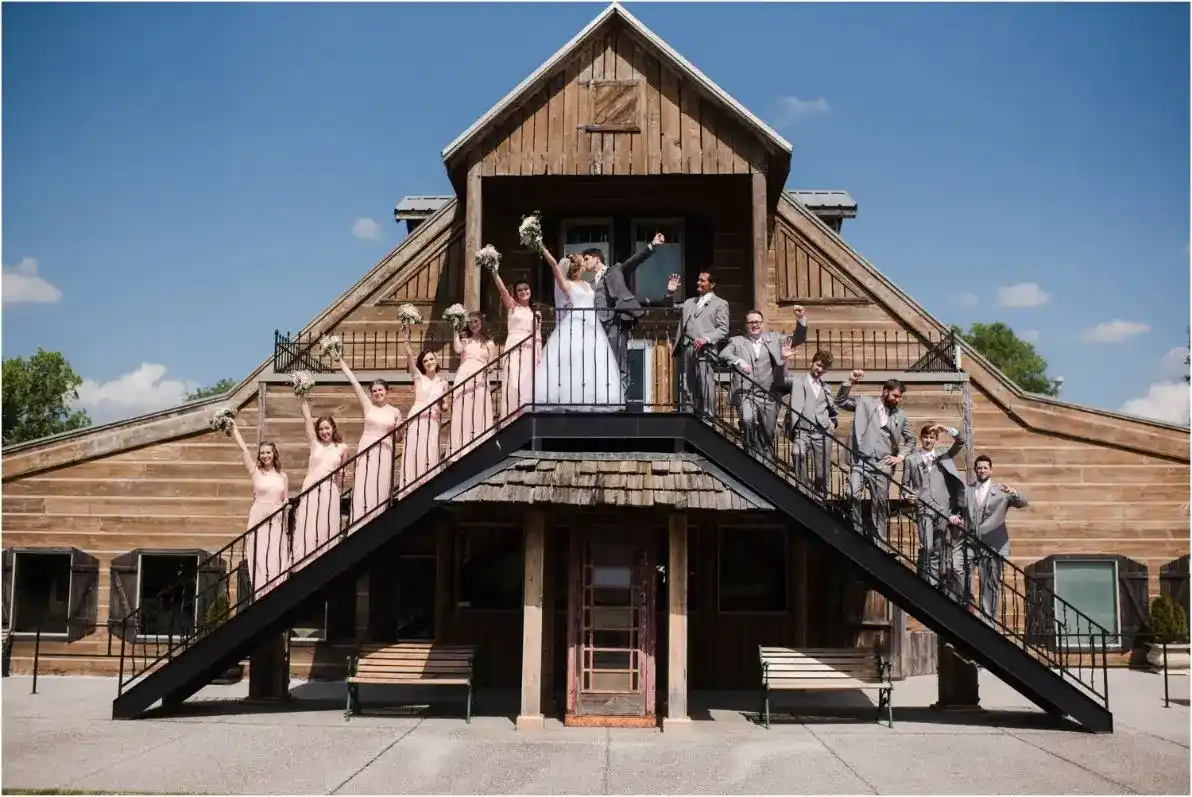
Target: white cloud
[(792, 109), (366, 228), (142, 390), (1171, 364), (1029, 335), (1114, 331), (966, 300), (22, 285), (1022, 294), (1164, 401)]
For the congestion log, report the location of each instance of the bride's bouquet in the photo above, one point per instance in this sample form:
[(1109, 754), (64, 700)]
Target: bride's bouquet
[(302, 382), (332, 346), (530, 231), (223, 420), (456, 315), (488, 258), (408, 314)]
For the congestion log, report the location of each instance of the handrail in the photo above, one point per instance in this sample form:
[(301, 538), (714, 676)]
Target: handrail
[(1042, 623)]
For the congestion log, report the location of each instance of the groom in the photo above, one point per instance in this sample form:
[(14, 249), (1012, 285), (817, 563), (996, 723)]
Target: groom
[(616, 306)]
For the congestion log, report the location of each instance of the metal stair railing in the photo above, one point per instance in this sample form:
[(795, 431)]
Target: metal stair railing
[(1028, 614)]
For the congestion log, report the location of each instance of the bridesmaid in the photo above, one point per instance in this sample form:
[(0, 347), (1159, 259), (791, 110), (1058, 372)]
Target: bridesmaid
[(524, 338), (471, 401), (373, 483), (270, 492), (317, 518), (420, 454)]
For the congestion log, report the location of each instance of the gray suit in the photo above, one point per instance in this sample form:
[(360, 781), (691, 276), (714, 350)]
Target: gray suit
[(988, 522), (757, 399), (810, 418), (872, 442), (618, 308), (938, 486), (697, 389)]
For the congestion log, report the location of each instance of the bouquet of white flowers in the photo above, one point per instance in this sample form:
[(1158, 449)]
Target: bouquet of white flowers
[(530, 231), (408, 314), (488, 257), (456, 315), (332, 346), (302, 382), (223, 420)]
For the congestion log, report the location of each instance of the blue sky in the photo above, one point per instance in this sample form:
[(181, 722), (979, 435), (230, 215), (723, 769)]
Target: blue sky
[(187, 177)]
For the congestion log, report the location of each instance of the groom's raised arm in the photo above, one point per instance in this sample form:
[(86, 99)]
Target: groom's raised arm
[(637, 258)]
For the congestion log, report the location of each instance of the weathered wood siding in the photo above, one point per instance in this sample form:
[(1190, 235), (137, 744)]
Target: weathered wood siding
[(615, 108)]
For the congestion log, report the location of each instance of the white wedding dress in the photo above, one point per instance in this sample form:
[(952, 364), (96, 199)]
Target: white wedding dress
[(578, 371)]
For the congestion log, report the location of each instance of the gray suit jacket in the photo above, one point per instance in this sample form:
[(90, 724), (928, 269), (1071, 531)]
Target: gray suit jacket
[(613, 296), (804, 404), (989, 523), (771, 372), (710, 323), (866, 434), (916, 475)]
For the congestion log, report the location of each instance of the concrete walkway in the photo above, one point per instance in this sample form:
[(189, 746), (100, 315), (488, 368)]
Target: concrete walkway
[(62, 738)]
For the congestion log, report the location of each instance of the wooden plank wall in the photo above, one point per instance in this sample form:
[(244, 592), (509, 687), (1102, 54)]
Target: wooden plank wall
[(651, 120)]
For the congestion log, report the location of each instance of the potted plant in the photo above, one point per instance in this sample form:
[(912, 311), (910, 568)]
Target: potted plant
[(1169, 626), (217, 613)]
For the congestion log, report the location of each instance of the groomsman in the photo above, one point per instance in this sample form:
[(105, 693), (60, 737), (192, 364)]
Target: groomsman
[(761, 355), (932, 480), (811, 417), (986, 505), (703, 326), (882, 438)]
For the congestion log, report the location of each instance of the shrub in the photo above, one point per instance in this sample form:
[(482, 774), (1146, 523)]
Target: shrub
[(1168, 623)]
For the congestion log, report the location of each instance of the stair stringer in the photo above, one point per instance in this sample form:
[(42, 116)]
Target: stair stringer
[(194, 667)]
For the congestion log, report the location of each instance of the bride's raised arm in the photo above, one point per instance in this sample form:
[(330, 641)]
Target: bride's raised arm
[(560, 277)]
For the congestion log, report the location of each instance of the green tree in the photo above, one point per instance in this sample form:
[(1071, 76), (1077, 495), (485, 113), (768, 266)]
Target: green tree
[(37, 396), (1015, 357), (218, 389)]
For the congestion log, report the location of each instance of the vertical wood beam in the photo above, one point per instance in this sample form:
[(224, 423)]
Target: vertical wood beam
[(472, 233), (444, 576), (761, 244), (802, 590), (530, 716), (676, 659), (550, 551)]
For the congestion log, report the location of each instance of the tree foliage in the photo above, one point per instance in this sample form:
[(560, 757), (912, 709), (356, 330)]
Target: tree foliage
[(1015, 357), (37, 396), (219, 388)]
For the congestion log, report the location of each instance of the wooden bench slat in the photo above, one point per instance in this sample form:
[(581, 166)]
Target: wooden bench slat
[(411, 664), (356, 679), (824, 669)]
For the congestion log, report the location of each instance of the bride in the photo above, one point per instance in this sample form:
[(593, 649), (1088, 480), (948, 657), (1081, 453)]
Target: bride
[(578, 370)]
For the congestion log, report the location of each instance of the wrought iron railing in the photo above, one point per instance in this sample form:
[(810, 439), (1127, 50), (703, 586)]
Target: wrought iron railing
[(827, 470)]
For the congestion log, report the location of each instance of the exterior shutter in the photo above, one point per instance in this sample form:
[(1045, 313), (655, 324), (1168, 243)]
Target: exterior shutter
[(6, 586), (1173, 581), (122, 596), (84, 595), (1040, 603), (1132, 600), (341, 609), (212, 584)]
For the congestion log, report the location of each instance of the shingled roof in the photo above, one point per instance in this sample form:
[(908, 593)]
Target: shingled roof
[(678, 481)]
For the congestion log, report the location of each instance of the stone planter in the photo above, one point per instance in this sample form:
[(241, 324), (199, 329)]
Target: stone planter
[(1177, 656), (235, 673)]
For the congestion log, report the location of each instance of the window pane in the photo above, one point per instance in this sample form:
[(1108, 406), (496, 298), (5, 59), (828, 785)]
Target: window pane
[(649, 280), (1091, 587), (42, 592), (167, 598), (753, 568), (609, 576), (588, 236), (636, 396), (491, 569)]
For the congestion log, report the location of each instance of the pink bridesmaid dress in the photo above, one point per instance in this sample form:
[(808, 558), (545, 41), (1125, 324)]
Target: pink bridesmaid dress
[(317, 518), (270, 558), (525, 341), (420, 454), (374, 471), (471, 400)]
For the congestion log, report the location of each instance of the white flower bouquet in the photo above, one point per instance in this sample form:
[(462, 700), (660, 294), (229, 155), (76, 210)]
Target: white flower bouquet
[(408, 314), (302, 382), (488, 258), (530, 231), (456, 315), (332, 346), (223, 420)]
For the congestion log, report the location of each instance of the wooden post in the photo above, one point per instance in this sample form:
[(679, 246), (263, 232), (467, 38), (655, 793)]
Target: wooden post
[(761, 260), (269, 670), (676, 659), (549, 591), (444, 575), (898, 642), (803, 600), (530, 717), (472, 233), (958, 679)]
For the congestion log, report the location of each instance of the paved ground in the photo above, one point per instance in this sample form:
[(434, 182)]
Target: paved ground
[(62, 738)]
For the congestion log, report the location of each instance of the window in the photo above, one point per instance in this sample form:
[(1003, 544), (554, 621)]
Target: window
[(753, 567), (310, 623), (491, 569), (649, 279), (416, 577), (41, 592), (581, 234), (1091, 587), (167, 585), (641, 375)]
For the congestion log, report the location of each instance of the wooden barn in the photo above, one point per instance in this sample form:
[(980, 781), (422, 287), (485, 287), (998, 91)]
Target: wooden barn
[(605, 567)]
